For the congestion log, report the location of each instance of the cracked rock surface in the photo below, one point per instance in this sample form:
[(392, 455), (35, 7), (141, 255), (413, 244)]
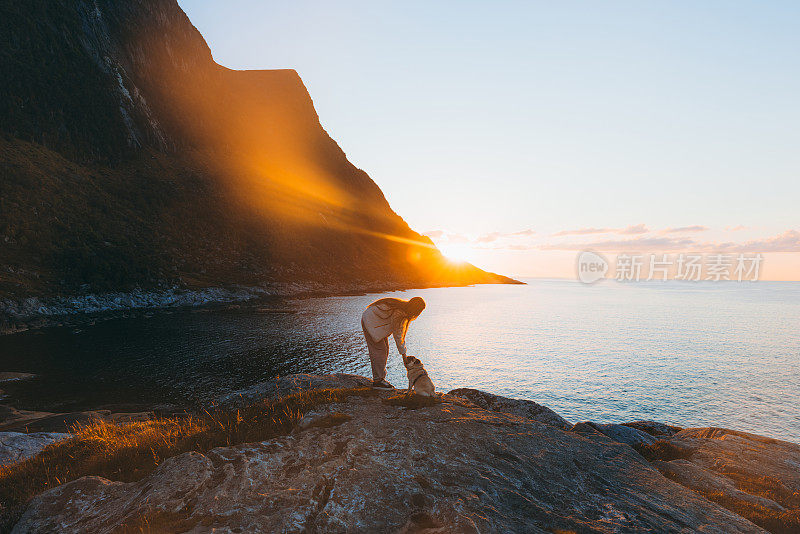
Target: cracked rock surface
[(619, 433), (452, 467), (520, 407), (716, 458), (17, 446)]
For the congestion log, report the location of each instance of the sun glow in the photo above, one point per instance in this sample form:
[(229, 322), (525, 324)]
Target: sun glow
[(455, 252)]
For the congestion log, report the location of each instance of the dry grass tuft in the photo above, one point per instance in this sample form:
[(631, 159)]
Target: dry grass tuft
[(129, 451)]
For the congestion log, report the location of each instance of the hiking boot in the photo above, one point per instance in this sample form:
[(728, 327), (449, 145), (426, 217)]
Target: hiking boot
[(382, 384)]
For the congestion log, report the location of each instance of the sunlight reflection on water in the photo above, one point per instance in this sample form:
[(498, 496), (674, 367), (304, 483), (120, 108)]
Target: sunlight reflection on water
[(690, 354)]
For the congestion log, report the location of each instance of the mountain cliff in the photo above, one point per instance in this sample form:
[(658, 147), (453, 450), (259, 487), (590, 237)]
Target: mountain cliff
[(130, 159)]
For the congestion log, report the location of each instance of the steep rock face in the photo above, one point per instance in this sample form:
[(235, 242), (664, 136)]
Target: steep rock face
[(76, 72), (131, 159), (452, 467)]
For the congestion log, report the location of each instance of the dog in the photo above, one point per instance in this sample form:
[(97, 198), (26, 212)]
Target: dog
[(418, 378)]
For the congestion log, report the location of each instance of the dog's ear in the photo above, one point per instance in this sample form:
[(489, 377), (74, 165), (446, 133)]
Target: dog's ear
[(416, 361)]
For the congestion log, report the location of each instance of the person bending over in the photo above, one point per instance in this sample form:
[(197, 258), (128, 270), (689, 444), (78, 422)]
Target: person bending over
[(382, 318)]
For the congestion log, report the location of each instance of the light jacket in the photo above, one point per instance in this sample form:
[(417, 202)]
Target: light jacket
[(381, 320)]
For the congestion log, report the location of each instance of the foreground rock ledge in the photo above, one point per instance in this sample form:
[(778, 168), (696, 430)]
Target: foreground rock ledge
[(452, 467)]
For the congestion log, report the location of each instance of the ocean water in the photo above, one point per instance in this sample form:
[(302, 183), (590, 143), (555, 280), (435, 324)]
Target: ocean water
[(690, 354)]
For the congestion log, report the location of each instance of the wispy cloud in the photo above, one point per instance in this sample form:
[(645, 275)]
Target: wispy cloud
[(629, 230), (636, 229), (637, 244), (434, 234), (672, 239), (788, 241), (685, 229), (735, 228), (450, 237), (488, 238), (491, 237), (585, 231)]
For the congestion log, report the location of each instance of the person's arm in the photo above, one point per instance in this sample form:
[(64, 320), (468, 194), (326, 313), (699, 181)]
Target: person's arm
[(400, 336)]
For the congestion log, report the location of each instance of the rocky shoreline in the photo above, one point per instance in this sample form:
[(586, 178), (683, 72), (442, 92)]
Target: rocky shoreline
[(18, 315), (469, 462)]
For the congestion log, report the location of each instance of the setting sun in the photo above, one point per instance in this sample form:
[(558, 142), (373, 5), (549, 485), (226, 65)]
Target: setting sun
[(455, 251)]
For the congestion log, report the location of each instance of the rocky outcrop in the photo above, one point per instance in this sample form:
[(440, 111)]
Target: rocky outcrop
[(13, 418), (31, 421), (11, 376), (523, 408), (753, 476), (286, 385), (16, 446), (710, 482), (654, 428), (619, 433), (756, 476), (373, 467), (741, 453)]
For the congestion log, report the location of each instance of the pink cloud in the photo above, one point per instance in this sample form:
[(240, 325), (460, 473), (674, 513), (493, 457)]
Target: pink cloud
[(630, 230), (434, 234), (685, 229), (444, 235), (670, 240), (584, 231), (636, 229), (488, 238), (788, 241), (637, 244)]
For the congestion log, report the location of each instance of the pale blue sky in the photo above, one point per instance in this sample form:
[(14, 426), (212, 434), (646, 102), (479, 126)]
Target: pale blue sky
[(479, 117)]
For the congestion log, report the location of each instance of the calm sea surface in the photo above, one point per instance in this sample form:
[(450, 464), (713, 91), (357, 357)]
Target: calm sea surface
[(722, 354)]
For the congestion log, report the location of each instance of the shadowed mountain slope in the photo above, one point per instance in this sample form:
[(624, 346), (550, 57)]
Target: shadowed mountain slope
[(129, 158)]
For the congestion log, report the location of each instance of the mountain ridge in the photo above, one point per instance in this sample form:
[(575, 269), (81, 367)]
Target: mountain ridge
[(132, 161)]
